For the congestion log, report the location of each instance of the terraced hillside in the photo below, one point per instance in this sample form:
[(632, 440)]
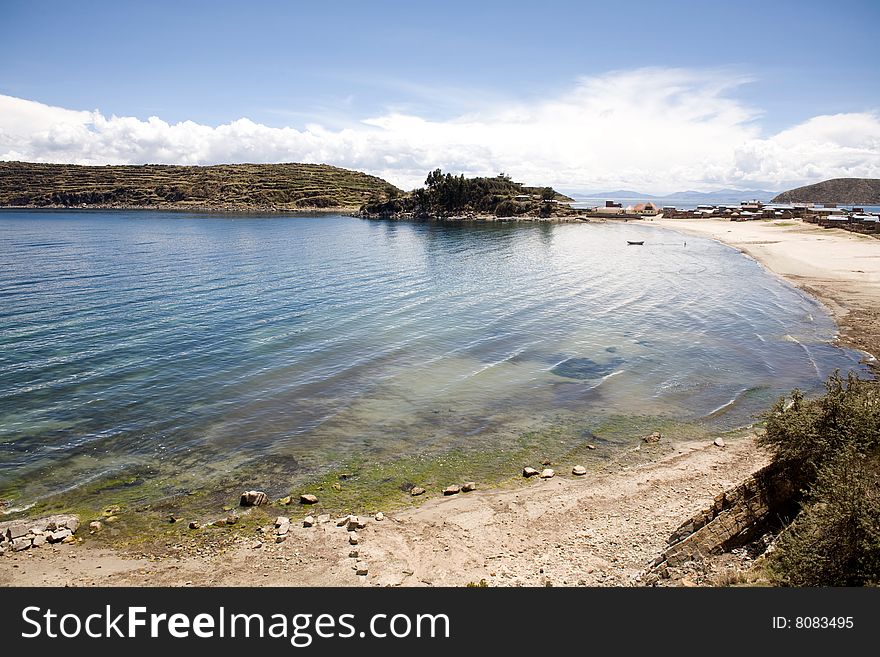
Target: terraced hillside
[(221, 187)]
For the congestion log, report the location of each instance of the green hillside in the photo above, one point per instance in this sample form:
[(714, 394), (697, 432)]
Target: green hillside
[(220, 187)]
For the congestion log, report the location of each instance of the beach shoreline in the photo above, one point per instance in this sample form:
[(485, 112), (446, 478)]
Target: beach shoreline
[(838, 268), (602, 529)]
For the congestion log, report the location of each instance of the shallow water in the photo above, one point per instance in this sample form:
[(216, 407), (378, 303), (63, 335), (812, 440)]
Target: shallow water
[(184, 343)]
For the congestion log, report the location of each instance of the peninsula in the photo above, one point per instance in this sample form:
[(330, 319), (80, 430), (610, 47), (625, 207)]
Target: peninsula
[(224, 187)]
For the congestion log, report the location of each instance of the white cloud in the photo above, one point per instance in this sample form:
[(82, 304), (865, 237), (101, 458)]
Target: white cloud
[(658, 130)]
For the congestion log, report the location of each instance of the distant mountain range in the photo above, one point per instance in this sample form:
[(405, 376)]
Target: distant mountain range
[(846, 191), (718, 196)]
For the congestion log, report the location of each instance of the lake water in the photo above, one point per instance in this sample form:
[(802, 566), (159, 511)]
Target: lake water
[(197, 346)]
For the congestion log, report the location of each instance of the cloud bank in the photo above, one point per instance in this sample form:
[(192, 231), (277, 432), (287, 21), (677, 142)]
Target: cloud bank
[(656, 130)]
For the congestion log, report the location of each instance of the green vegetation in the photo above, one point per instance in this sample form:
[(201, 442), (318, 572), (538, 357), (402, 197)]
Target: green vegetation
[(830, 449), (264, 187), (848, 191), (446, 195)]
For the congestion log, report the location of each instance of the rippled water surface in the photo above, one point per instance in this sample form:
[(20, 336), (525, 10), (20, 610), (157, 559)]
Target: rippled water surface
[(199, 343)]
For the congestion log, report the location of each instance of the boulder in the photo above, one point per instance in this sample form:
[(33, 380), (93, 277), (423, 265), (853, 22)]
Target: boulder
[(253, 498), (21, 543), (579, 470), (416, 490), (308, 498), (454, 489), (718, 442), (59, 535), (529, 472), (547, 473), (308, 521), (468, 486)]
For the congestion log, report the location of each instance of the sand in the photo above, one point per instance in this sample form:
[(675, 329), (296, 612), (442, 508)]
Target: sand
[(600, 529)]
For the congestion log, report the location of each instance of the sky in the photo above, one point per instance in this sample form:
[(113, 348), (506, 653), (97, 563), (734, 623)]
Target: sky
[(653, 96)]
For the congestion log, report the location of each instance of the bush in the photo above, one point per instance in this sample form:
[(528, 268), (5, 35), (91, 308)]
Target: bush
[(505, 209), (835, 541), (829, 448)]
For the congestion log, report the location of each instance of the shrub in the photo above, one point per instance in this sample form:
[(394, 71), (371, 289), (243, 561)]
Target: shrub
[(829, 448), (505, 209)]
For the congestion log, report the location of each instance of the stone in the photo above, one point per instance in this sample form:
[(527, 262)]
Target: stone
[(362, 568), (653, 438), (322, 518), (343, 522), (308, 521), (281, 538), (16, 530), (379, 517), (231, 519), (281, 520), (718, 442), (282, 530), (416, 491), (253, 498), (219, 523), (59, 535), (95, 526), (454, 489), (257, 545), (72, 524), (547, 473), (354, 554), (468, 486), (173, 518), (355, 523), (591, 447), (111, 519), (69, 539), (21, 543), (308, 498), (546, 462), (353, 538), (194, 525), (285, 501), (39, 540), (579, 470), (529, 472)]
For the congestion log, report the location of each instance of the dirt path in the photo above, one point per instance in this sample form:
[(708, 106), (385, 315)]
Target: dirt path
[(601, 529)]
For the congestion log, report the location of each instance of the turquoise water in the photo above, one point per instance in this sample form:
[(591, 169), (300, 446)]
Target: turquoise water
[(199, 344)]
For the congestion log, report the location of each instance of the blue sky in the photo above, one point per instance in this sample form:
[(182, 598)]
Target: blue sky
[(296, 64)]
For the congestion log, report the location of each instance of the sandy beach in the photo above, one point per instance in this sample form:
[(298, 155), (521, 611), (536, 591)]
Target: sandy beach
[(602, 529)]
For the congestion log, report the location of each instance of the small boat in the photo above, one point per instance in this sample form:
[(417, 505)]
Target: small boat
[(635, 243)]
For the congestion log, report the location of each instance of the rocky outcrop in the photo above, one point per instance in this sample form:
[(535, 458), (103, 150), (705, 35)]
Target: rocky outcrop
[(736, 517)]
